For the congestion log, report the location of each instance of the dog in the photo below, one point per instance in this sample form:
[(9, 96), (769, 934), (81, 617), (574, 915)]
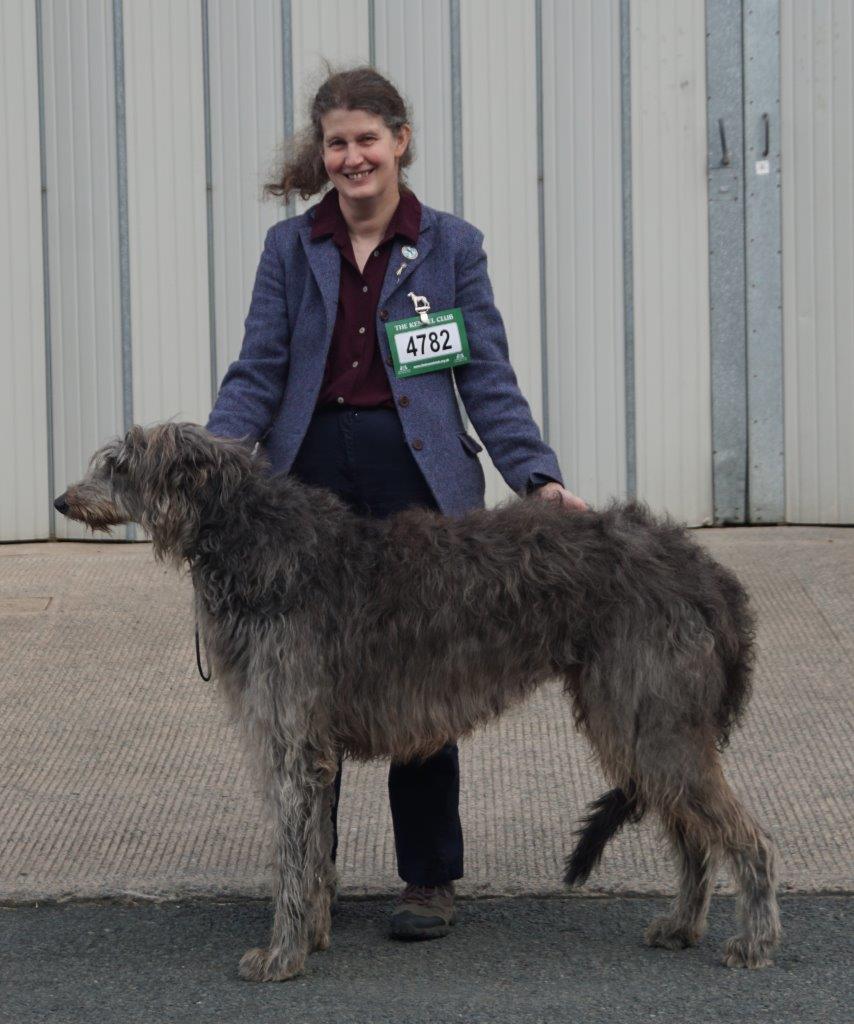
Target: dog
[(330, 633)]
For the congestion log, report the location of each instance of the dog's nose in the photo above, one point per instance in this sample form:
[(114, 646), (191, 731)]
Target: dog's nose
[(60, 504)]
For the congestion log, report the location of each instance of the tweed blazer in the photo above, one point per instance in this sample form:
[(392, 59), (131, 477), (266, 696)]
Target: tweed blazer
[(270, 392)]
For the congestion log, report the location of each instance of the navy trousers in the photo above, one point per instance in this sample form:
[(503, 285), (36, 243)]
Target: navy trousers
[(362, 455)]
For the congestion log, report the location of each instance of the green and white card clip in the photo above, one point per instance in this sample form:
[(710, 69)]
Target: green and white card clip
[(428, 342)]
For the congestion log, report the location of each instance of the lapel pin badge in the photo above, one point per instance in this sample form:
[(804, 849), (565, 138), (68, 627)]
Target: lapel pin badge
[(409, 253)]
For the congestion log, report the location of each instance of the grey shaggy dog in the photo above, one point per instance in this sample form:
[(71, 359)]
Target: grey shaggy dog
[(331, 633)]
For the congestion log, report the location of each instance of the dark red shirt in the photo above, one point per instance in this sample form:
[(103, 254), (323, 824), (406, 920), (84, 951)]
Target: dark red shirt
[(355, 374)]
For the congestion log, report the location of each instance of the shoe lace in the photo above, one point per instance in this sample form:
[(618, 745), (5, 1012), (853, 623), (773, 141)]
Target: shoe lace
[(426, 894)]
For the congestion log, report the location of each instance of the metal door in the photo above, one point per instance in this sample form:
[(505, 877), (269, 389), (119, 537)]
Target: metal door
[(743, 54)]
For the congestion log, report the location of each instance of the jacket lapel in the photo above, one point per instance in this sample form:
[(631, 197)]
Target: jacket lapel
[(393, 280), (325, 262)]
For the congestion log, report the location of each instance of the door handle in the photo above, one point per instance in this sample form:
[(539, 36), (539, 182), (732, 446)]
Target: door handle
[(725, 159)]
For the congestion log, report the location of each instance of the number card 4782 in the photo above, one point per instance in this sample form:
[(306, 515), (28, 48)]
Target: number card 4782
[(440, 344)]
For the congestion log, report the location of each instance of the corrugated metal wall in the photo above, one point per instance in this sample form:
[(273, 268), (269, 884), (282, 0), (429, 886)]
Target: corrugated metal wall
[(82, 236), (583, 244), (23, 401), (670, 228), (162, 120), (817, 101), (247, 124), (167, 220)]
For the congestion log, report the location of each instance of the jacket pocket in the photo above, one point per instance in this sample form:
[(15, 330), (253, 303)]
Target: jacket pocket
[(470, 445)]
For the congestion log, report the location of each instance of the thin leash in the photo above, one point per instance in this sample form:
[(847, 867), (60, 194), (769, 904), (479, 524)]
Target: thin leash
[(199, 658)]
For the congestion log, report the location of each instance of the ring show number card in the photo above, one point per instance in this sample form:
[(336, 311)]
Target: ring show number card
[(439, 344)]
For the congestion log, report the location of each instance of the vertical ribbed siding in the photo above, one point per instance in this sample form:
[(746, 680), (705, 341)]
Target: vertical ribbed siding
[(817, 97), (247, 117), (583, 244), (82, 215), (413, 47), (575, 240), (24, 497), (167, 215), (324, 30), (671, 273), (499, 141), (333, 30)]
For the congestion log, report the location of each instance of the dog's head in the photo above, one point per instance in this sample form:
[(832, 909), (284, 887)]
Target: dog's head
[(169, 478)]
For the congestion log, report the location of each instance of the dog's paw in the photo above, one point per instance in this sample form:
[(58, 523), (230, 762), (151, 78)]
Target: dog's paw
[(665, 933), (269, 965), (321, 942), (742, 952)]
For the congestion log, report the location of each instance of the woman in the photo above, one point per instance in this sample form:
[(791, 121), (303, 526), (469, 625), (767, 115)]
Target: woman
[(334, 397)]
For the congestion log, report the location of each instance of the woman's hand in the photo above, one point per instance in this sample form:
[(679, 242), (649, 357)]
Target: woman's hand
[(553, 491)]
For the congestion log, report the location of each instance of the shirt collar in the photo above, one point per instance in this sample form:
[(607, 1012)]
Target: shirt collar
[(405, 221)]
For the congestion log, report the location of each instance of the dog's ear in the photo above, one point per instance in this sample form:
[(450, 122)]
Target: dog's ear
[(131, 449)]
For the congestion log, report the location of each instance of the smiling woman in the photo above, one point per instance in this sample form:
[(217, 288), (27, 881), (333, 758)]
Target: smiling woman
[(358, 91), (367, 310)]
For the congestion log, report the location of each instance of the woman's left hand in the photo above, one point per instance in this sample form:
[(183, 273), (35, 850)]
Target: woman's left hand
[(553, 491)]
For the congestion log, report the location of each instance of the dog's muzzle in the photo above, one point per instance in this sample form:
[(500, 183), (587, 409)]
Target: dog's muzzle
[(61, 504)]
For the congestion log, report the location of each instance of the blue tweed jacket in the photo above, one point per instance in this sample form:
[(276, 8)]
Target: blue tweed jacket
[(270, 392)]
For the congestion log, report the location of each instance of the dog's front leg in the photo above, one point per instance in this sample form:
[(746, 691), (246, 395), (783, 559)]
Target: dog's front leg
[(298, 804)]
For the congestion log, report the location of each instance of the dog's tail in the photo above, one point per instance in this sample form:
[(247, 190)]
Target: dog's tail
[(606, 817)]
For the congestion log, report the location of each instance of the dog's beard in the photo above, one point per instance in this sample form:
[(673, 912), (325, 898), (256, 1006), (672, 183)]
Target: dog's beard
[(99, 514)]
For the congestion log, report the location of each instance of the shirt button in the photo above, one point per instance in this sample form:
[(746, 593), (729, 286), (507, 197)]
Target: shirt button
[(418, 444), (340, 400), (376, 252), (361, 330), (383, 314), (403, 400), (355, 363), (364, 287)]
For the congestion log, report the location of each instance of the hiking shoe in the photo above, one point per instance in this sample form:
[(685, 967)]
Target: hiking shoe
[(424, 912)]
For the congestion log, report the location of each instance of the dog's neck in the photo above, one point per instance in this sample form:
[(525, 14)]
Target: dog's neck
[(264, 510)]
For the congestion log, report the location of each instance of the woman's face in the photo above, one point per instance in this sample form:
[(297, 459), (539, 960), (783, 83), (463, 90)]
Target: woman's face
[(360, 153)]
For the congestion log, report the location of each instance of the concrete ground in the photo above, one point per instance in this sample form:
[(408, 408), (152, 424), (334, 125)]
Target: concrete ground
[(122, 777)]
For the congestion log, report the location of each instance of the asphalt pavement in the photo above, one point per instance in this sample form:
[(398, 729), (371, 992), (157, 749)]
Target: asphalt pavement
[(508, 961)]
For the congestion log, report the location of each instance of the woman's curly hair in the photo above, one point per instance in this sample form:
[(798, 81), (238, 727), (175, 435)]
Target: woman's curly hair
[(360, 88)]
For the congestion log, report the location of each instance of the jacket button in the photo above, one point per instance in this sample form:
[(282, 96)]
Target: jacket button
[(418, 444), (403, 400), (383, 314)]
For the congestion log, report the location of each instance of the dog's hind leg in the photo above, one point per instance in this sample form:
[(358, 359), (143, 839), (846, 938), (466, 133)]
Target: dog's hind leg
[(298, 801), (708, 819), (752, 857), (686, 923)]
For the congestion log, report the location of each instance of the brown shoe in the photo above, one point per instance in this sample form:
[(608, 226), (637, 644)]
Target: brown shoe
[(424, 912)]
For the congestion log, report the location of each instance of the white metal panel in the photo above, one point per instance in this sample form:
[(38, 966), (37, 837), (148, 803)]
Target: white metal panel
[(413, 47), (82, 221), (817, 106), (24, 497), (333, 31), (499, 115), (325, 30), (247, 128), (583, 244), (167, 216), (671, 273)]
